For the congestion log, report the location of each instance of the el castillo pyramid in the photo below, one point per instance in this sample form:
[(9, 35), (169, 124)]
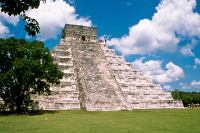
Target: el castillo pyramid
[(96, 79)]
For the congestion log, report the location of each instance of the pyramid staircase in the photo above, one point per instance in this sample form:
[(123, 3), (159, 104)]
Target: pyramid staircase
[(65, 95), (140, 92), (96, 79)]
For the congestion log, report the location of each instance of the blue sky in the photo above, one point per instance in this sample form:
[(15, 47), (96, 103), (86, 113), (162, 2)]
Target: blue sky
[(160, 37)]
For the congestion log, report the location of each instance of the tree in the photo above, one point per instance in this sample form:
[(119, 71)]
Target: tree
[(26, 69), (19, 7), (188, 98)]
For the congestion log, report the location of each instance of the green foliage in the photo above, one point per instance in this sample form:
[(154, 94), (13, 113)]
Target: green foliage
[(137, 121), (16, 7), (26, 69), (19, 7), (188, 98), (32, 26)]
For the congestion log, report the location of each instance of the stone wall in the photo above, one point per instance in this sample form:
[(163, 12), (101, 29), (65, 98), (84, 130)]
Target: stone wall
[(140, 92), (80, 33), (66, 94), (96, 79)]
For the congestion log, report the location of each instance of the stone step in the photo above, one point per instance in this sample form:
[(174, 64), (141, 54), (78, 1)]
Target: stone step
[(59, 106), (68, 90), (62, 48), (65, 67), (64, 84), (132, 82), (62, 53), (62, 56), (68, 100), (62, 60), (65, 64), (69, 76)]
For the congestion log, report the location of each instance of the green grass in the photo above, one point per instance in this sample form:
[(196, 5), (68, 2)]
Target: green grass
[(138, 121)]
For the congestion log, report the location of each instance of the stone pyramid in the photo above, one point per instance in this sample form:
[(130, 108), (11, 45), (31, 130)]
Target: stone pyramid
[(96, 79)]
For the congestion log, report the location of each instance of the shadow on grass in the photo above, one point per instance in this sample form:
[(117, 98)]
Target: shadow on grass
[(30, 113), (41, 112)]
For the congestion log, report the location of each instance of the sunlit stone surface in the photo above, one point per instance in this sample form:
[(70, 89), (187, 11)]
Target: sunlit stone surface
[(96, 79)]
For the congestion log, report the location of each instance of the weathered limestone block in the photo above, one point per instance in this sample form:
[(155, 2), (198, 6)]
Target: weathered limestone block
[(147, 94), (65, 95), (96, 79)]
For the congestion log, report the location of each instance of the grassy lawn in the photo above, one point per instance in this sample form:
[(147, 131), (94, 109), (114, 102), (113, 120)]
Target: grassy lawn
[(138, 121)]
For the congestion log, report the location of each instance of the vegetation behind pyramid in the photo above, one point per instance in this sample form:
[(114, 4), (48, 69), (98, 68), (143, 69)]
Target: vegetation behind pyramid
[(96, 79)]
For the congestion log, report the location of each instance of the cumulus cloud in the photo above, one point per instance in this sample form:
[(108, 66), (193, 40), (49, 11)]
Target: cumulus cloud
[(4, 19), (9, 19), (174, 20), (156, 73), (52, 16), (3, 30), (187, 50)]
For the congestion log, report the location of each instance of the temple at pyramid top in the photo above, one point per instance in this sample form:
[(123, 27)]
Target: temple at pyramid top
[(80, 32)]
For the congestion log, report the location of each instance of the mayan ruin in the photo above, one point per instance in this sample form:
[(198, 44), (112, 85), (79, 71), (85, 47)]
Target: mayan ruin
[(96, 79)]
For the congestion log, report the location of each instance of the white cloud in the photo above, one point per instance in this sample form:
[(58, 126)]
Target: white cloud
[(4, 19), (156, 73), (52, 16), (173, 17), (187, 50), (195, 83), (167, 88), (3, 30), (9, 19), (193, 86), (184, 86), (196, 62)]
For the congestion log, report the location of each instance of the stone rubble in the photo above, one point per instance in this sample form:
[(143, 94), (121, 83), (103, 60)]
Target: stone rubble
[(96, 79)]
